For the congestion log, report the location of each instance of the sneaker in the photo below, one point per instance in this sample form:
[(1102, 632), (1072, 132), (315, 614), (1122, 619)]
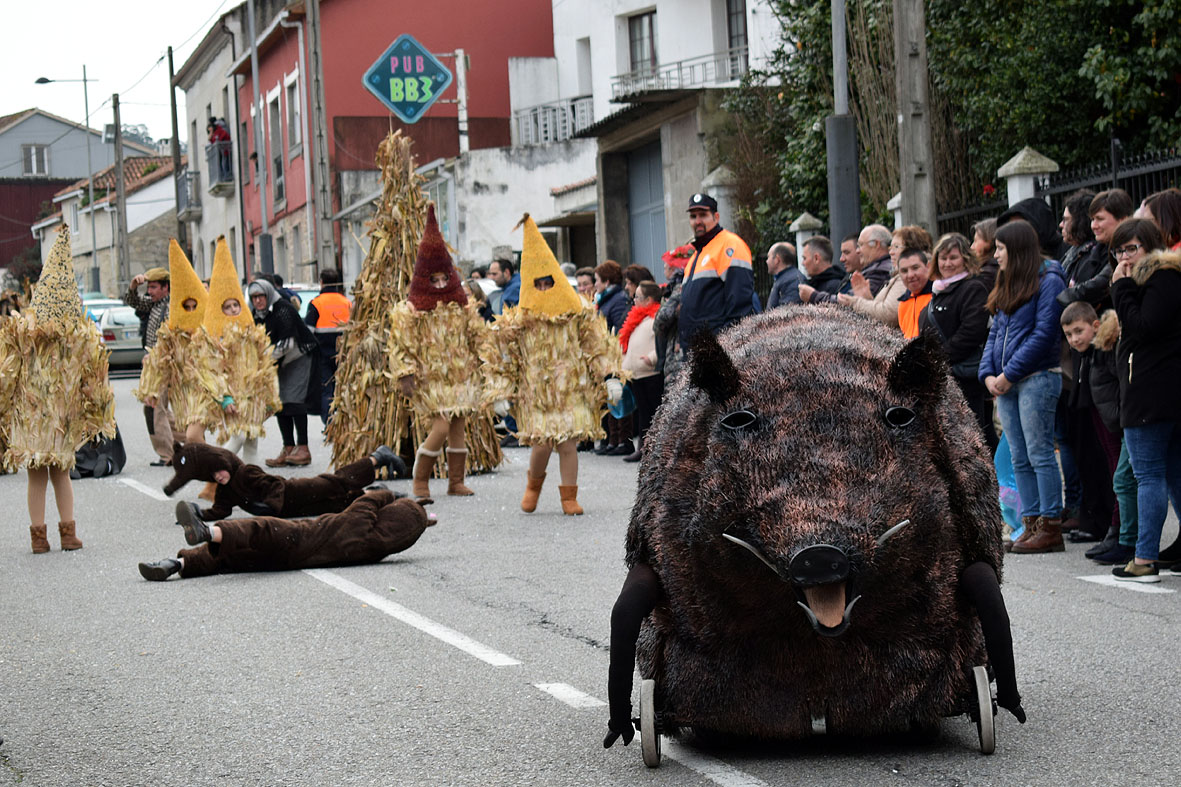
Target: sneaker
[(1118, 555), (1175, 569), (1134, 572), (188, 516)]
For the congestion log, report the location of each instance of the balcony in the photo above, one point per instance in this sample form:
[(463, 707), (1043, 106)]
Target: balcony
[(657, 82), (554, 122), (188, 196), (219, 159)]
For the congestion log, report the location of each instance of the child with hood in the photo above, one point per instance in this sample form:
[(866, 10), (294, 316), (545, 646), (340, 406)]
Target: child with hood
[(54, 394), (550, 357)]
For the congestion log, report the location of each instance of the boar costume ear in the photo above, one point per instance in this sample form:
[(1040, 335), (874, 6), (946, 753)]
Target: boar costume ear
[(711, 369), (920, 368)]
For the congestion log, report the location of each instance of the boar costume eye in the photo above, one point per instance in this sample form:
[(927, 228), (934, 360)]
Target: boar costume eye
[(898, 417), (739, 421)]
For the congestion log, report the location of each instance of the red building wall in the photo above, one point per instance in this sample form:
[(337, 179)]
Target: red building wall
[(20, 207), (354, 34)]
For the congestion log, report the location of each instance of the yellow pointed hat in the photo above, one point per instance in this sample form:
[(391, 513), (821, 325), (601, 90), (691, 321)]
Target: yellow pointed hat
[(224, 285), (537, 261), (56, 296), (183, 285)]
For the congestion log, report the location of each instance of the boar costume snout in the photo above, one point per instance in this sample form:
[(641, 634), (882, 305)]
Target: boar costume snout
[(816, 535)]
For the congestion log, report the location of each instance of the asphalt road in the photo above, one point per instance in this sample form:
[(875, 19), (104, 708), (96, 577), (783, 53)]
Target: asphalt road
[(425, 669)]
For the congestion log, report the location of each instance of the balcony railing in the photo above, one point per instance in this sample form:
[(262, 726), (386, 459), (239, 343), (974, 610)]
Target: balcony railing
[(188, 195), (553, 122), (219, 159), (718, 68)]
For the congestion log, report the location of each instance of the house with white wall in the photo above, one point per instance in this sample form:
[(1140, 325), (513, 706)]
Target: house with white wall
[(150, 204)]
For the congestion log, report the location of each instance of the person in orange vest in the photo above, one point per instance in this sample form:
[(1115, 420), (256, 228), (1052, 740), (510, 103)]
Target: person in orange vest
[(914, 272), (719, 281), (327, 315)]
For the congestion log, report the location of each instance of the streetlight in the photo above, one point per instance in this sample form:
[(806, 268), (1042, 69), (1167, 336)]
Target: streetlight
[(94, 275)]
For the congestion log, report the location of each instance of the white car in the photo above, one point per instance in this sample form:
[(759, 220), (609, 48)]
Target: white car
[(119, 329)]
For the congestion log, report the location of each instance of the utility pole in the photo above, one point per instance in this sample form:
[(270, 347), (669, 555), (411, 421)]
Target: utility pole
[(461, 98), (123, 266), (325, 236), (262, 250), (840, 132), (916, 159), (182, 230)]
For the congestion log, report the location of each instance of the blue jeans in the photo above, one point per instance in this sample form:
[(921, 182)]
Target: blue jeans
[(1155, 451), (1123, 483), (1072, 485), (1027, 416)]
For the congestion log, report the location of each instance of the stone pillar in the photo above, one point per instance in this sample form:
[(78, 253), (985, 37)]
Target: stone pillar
[(895, 208), (805, 226), (720, 184), (1023, 172)]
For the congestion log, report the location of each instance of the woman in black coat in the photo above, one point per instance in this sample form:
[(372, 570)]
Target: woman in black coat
[(296, 356), (957, 314), (1147, 297), (612, 304)]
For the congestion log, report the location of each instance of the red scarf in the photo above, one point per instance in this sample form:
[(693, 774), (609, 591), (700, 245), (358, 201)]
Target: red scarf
[(634, 317)]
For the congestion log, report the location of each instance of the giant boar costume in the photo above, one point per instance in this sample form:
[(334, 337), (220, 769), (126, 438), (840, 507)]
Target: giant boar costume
[(765, 539)]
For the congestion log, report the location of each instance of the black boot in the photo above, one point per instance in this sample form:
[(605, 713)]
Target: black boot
[(385, 457), (188, 516), (1109, 542), (160, 570)]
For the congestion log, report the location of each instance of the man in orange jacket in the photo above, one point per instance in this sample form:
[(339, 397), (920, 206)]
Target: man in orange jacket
[(327, 314), (719, 280)]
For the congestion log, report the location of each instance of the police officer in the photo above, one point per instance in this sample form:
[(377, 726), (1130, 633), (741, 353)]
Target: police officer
[(719, 281)]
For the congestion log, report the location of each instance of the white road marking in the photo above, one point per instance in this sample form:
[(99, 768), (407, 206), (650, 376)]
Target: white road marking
[(570, 695), (716, 771), (411, 618), (155, 494), (1139, 587)]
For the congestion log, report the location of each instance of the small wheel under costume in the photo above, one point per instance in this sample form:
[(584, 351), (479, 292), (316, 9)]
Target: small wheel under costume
[(649, 734), (985, 711)]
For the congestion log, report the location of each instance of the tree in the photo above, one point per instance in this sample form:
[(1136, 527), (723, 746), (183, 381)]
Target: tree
[(138, 133)]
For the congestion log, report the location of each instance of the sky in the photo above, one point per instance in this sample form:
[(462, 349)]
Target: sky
[(122, 43)]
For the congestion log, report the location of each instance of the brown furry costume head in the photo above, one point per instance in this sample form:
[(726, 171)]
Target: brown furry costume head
[(771, 480), (433, 258), (198, 462)]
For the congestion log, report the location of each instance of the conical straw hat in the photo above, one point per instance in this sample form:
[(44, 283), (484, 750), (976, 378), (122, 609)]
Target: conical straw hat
[(433, 258), (56, 296), (184, 284), (537, 261), (224, 285)]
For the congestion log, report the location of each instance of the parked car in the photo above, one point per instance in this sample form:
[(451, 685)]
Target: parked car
[(119, 328), (95, 307), (305, 292)]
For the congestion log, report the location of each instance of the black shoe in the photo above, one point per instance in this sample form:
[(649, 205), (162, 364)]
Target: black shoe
[(160, 570), (1082, 537), (188, 516), (384, 456), (586, 445), (1170, 554), (159, 463), (1111, 541), (624, 449), (1134, 572), (1116, 556), (605, 450), (510, 441), (635, 456)]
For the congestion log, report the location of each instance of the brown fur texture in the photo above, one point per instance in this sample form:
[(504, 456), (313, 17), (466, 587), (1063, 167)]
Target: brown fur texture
[(729, 647)]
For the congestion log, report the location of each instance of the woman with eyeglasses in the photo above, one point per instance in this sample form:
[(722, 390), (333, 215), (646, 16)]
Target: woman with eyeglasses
[(1020, 367), (1146, 290)]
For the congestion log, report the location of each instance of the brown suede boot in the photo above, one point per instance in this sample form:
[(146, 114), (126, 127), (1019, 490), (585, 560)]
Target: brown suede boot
[(1048, 538), (281, 459), (69, 540), (424, 465), (40, 542), (570, 505), (1030, 524), (299, 456), (456, 461), (532, 491)]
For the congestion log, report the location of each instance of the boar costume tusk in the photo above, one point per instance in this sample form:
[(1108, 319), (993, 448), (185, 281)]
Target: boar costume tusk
[(826, 631), (754, 551), (882, 538)]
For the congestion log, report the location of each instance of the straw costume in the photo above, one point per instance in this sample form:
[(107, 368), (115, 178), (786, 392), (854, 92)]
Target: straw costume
[(550, 357), (236, 367), (434, 349), (172, 365), (54, 394)]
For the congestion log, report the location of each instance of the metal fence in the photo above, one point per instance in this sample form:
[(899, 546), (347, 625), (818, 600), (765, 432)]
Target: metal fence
[(553, 122), (726, 66), (1139, 175)]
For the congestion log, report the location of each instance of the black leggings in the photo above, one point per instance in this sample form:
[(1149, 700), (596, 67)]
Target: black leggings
[(293, 428)]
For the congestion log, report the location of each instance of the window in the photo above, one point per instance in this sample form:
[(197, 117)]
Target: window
[(74, 225), (246, 144), (296, 247), (293, 119), (641, 34), (234, 241), (35, 159), (736, 22), (280, 260), (275, 118)]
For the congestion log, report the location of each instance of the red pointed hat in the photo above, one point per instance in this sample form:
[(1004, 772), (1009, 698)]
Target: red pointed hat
[(433, 258)]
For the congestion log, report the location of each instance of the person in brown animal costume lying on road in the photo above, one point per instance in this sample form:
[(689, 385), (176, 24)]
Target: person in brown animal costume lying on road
[(376, 524), (254, 490)]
